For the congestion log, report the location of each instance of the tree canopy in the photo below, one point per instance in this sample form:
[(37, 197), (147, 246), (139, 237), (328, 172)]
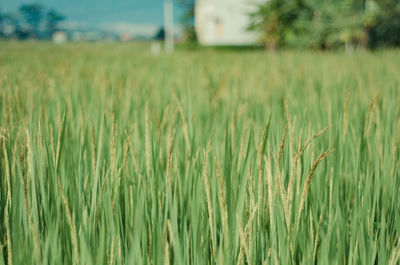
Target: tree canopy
[(325, 24), (30, 21), (187, 19)]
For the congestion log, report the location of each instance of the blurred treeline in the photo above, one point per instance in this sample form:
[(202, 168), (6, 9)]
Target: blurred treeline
[(327, 24), (187, 20), (30, 21)]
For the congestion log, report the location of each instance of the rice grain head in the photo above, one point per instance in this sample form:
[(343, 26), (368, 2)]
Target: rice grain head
[(147, 141), (8, 207), (222, 199), (308, 182), (208, 197)]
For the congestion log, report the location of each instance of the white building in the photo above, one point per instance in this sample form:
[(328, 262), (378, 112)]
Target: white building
[(224, 22), (59, 37)]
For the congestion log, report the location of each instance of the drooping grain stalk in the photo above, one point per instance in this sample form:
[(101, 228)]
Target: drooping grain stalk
[(71, 223), (171, 141), (113, 160), (281, 146), (242, 151), (32, 223), (395, 255), (317, 234), (243, 240), (267, 163), (8, 207), (166, 254), (111, 255), (308, 182), (260, 154), (134, 160), (222, 200), (185, 127), (147, 141), (295, 160), (208, 198), (346, 116)]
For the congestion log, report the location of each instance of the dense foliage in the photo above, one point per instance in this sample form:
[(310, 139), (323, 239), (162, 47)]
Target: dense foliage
[(30, 21), (187, 20), (325, 24)]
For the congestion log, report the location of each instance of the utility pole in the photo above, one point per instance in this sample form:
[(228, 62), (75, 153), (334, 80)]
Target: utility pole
[(169, 26)]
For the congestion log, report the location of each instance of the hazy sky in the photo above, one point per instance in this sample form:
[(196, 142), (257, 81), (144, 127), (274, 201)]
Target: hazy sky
[(103, 11)]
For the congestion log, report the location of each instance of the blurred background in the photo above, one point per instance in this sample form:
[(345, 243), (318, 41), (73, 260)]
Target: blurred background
[(271, 24)]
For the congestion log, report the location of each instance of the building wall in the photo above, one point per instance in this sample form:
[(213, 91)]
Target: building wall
[(224, 22)]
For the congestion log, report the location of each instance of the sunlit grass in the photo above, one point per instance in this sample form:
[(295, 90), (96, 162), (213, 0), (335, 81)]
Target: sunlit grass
[(110, 155)]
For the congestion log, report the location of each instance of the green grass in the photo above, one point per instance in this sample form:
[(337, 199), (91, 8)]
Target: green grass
[(110, 155)]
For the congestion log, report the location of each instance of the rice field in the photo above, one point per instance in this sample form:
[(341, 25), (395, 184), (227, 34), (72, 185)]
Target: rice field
[(111, 155)]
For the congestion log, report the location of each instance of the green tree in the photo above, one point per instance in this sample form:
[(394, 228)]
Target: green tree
[(188, 19), (53, 17), (32, 14), (273, 19), (311, 23), (385, 29), (1, 23)]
